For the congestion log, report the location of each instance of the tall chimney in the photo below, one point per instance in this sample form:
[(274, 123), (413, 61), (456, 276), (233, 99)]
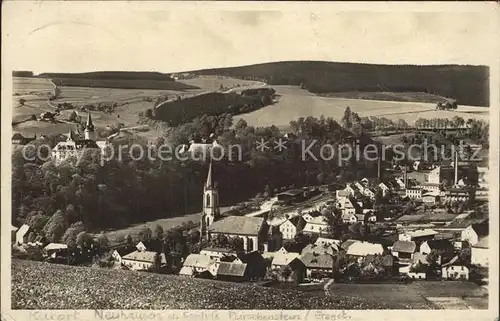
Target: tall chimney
[(405, 177), (456, 167)]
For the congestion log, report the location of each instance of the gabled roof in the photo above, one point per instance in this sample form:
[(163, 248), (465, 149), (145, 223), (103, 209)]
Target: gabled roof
[(455, 261), (13, 228), (313, 214), (23, 230), (360, 248), (324, 240), (284, 258), (318, 261), (347, 244), (55, 246), (422, 233), (296, 220), (386, 260), (420, 258), (198, 260), (242, 225), (231, 269), (439, 244), (320, 249), (144, 256), (404, 246)]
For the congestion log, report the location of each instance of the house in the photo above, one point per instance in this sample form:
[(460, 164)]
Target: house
[(318, 225), (455, 269), (18, 139), (459, 194), (256, 264), (369, 193), (22, 234), (359, 187), (419, 258), (291, 196), (141, 247), (384, 188), (291, 227), (346, 205), (365, 181), (55, 248), (480, 252), (430, 187), (441, 246), (360, 248), (404, 250), (430, 198), (327, 242), (142, 260), (351, 190), (197, 263), (414, 193), (358, 218), (253, 230), (320, 249), (418, 236), (217, 253), (309, 216), (401, 184), (318, 266), (282, 259), (474, 232), (231, 271), (120, 252), (346, 193)]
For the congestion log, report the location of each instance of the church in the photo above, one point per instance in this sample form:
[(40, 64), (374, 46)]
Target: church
[(252, 230), (70, 147)]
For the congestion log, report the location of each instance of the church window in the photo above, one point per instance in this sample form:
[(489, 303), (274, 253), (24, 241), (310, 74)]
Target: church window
[(207, 200)]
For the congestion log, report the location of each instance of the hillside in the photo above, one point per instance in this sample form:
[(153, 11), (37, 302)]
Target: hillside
[(469, 85), (38, 285), (115, 75), (214, 103)]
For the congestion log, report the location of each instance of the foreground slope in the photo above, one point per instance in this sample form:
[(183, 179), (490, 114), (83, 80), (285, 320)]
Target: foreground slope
[(38, 285)]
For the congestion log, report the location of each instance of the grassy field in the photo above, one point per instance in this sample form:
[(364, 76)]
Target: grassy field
[(295, 102), (38, 285), (421, 294)]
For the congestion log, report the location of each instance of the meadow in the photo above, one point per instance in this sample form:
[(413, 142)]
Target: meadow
[(37, 285), (295, 102)]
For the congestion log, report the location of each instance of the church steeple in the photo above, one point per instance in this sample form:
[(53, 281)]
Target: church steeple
[(71, 136), (209, 183), (89, 128), (210, 211)]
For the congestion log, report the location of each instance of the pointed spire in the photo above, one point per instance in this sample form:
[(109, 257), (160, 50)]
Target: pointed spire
[(89, 125), (70, 134), (209, 176)]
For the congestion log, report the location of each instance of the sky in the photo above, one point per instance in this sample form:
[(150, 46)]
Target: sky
[(171, 37)]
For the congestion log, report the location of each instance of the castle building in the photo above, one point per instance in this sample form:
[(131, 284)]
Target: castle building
[(72, 145), (210, 211)]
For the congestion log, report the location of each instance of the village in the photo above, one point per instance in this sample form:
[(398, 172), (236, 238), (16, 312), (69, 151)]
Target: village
[(315, 235)]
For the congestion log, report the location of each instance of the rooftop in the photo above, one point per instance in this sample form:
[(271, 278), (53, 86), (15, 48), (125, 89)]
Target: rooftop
[(242, 225), (483, 243), (231, 269), (404, 246), (198, 260), (144, 256), (284, 258), (318, 261), (360, 248)]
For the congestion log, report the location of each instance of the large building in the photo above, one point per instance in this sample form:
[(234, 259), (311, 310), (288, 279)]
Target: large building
[(73, 145), (211, 210)]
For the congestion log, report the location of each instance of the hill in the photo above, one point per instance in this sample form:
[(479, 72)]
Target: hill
[(469, 85), (213, 103), (115, 75), (37, 285)]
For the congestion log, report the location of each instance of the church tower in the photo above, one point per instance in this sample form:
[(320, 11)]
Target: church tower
[(210, 203), (89, 129)]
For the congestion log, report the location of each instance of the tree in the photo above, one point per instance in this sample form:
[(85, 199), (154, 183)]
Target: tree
[(145, 234), (149, 113), (346, 119), (285, 272), (22, 101), (55, 227), (158, 234), (102, 242), (73, 116), (84, 240), (31, 237)]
